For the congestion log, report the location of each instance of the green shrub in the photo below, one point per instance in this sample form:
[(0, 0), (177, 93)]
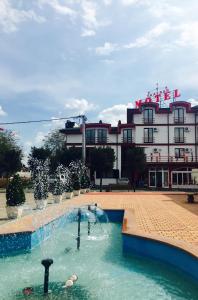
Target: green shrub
[(14, 193)]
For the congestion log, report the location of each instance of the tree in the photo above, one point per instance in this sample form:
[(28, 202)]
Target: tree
[(38, 153), (135, 163), (10, 154), (101, 161), (65, 157), (54, 141)]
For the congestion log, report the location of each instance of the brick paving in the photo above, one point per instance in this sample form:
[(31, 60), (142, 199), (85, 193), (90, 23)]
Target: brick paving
[(163, 216)]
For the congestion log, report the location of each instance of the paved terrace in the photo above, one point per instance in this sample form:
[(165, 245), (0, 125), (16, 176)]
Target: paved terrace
[(164, 216)]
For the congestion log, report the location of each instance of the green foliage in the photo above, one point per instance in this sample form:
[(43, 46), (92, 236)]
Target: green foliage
[(135, 163), (85, 181), (75, 181), (58, 186), (14, 193), (38, 153), (10, 154), (54, 141), (101, 161), (65, 157), (39, 176)]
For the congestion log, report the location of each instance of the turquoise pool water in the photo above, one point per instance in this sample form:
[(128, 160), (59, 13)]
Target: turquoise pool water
[(104, 273)]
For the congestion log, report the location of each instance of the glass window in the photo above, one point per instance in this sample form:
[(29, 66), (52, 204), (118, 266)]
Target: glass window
[(179, 152), (179, 135), (127, 136), (148, 116), (174, 178), (90, 136), (165, 179), (152, 179), (179, 115), (102, 135), (148, 135)]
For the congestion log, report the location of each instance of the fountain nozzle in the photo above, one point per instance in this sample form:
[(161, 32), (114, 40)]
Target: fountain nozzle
[(46, 263)]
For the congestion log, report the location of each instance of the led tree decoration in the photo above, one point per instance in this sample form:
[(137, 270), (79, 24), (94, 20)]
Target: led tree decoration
[(40, 175)]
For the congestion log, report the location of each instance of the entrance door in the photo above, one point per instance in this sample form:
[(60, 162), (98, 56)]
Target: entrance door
[(159, 179)]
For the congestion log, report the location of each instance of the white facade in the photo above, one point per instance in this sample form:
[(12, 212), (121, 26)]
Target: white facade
[(168, 135)]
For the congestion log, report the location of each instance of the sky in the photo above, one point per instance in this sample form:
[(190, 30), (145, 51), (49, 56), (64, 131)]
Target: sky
[(61, 58)]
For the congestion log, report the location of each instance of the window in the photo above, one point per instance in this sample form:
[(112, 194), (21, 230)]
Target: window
[(127, 136), (148, 135), (179, 152), (179, 115), (148, 116), (102, 136), (179, 135), (90, 136)]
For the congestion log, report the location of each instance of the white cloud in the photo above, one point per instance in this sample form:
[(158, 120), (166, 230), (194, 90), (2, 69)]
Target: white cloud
[(150, 36), (87, 32), (90, 19), (80, 106), (10, 17), (193, 102), (107, 2), (39, 138), (115, 113), (59, 8), (107, 49), (130, 2), (188, 35), (2, 112)]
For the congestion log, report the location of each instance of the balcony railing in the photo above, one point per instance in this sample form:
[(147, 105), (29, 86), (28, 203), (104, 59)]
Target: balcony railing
[(165, 159), (149, 140), (98, 140), (180, 120), (90, 141), (126, 140), (148, 120), (179, 140), (102, 140)]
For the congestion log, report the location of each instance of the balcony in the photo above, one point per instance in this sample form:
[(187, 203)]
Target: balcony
[(102, 140), (179, 140), (148, 120), (170, 159), (127, 140), (90, 141), (180, 120), (148, 140)]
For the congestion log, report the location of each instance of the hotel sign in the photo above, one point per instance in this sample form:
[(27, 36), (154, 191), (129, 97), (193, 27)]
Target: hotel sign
[(159, 97)]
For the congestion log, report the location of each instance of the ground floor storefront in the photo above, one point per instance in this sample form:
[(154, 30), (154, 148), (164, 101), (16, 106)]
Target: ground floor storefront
[(171, 177)]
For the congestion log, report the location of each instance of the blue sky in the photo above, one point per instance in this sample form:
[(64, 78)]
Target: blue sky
[(64, 57)]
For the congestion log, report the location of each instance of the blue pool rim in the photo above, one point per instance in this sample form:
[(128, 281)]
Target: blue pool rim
[(11, 244)]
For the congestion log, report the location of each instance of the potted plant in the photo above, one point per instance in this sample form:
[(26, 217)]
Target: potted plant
[(76, 184), (58, 190), (15, 197), (83, 184), (87, 183), (40, 182)]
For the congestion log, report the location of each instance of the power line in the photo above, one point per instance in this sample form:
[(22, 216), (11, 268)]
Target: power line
[(40, 121)]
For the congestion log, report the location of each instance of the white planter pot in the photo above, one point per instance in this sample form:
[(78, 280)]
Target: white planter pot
[(14, 212), (87, 190), (83, 191), (41, 204), (69, 195), (58, 198), (76, 192)]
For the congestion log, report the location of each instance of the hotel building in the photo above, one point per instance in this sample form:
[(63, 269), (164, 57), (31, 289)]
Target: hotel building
[(169, 137)]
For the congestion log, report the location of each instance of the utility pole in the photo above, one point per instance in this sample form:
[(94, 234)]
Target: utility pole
[(84, 119)]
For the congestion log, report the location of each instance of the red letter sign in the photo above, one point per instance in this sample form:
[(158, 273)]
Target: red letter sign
[(138, 103)]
